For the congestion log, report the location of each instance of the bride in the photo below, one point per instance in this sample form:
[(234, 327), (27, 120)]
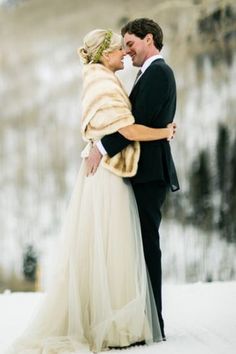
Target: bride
[(100, 295)]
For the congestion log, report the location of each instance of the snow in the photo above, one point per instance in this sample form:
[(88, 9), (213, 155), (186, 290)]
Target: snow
[(200, 319)]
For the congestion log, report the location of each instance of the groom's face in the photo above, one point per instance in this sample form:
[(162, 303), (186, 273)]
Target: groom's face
[(136, 48)]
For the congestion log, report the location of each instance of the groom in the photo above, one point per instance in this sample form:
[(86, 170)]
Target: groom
[(153, 100)]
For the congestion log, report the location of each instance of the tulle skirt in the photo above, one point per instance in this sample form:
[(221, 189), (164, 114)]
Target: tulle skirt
[(99, 295)]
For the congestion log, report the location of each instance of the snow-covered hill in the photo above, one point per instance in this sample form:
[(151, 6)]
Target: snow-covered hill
[(200, 319)]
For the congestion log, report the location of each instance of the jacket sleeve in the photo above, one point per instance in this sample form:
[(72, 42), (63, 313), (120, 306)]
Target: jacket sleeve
[(114, 143)]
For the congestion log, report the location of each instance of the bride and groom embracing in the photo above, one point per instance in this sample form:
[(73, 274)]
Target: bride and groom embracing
[(106, 287)]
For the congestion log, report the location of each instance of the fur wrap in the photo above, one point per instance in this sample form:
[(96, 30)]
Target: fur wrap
[(106, 108)]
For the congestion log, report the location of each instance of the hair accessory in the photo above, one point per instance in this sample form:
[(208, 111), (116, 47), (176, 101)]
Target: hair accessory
[(104, 45)]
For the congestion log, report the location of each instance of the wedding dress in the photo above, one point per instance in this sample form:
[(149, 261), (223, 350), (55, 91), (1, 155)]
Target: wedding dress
[(99, 295)]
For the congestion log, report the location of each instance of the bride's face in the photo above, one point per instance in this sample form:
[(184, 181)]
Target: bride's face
[(115, 59)]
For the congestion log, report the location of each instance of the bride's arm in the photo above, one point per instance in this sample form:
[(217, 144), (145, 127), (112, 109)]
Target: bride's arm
[(138, 132)]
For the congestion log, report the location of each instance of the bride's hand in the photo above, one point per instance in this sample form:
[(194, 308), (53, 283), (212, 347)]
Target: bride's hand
[(172, 130)]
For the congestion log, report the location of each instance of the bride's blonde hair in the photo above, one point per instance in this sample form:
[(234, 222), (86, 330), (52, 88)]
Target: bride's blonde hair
[(98, 42)]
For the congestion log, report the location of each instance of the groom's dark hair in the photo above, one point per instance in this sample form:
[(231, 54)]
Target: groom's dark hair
[(141, 27)]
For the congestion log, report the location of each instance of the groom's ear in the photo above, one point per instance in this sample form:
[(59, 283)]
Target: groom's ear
[(149, 38)]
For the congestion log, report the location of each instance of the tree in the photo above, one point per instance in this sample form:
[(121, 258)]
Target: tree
[(223, 152), (30, 263), (201, 191), (232, 195)]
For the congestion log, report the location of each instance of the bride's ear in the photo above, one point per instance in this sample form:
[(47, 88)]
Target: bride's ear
[(106, 56)]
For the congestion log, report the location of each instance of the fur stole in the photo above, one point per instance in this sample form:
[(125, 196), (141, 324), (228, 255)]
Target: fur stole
[(106, 108)]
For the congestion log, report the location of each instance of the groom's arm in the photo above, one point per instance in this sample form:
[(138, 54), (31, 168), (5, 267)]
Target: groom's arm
[(111, 145), (114, 143)]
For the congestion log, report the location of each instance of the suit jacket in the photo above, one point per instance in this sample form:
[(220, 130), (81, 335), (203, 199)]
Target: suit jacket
[(153, 101)]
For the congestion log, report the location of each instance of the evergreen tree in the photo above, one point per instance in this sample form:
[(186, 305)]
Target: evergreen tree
[(223, 180), (30, 262), (201, 191), (232, 195), (222, 153)]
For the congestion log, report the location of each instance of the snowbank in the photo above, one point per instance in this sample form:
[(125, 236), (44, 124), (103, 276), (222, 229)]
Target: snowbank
[(200, 319)]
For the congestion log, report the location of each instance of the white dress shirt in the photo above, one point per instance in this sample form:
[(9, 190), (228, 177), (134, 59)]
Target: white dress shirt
[(144, 67)]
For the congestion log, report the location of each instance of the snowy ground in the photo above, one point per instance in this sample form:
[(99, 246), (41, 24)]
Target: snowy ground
[(200, 319)]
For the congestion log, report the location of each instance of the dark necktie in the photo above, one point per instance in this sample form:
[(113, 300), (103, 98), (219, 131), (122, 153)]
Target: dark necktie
[(136, 79)]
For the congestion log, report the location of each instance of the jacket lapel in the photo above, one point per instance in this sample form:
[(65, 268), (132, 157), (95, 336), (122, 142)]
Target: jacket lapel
[(136, 86)]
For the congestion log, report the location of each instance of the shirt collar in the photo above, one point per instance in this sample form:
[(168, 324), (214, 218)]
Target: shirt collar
[(149, 62)]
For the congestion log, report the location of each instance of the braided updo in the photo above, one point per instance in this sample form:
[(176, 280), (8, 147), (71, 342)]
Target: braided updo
[(92, 50)]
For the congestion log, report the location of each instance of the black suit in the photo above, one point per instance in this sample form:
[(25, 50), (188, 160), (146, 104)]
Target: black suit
[(153, 100)]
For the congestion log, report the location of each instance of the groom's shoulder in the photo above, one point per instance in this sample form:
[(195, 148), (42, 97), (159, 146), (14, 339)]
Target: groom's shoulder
[(159, 65), (159, 68)]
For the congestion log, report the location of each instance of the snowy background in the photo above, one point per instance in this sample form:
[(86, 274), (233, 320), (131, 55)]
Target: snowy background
[(40, 144)]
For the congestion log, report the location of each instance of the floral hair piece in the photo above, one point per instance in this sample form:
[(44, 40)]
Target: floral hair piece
[(104, 45)]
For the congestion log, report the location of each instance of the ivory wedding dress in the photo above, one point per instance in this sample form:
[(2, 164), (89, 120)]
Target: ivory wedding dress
[(99, 296)]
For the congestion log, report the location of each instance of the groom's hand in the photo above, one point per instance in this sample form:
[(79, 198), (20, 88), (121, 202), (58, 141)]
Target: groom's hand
[(93, 161)]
